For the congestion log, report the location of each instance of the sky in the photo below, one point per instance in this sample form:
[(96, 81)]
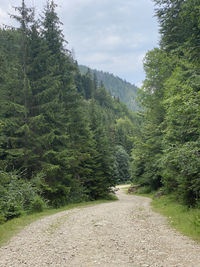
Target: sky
[(108, 35)]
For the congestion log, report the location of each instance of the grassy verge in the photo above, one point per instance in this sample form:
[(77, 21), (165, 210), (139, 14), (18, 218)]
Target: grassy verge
[(12, 227), (186, 221)]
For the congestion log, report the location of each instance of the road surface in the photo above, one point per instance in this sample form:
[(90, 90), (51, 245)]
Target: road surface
[(124, 233)]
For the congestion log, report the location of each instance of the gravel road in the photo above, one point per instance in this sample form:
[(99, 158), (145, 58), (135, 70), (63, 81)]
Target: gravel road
[(117, 234)]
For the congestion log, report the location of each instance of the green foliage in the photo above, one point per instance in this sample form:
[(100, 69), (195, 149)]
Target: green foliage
[(58, 128), (179, 26), (122, 161), (2, 219), (166, 149), (37, 204), (144, 190), (179, 216), (17, 196), (125, 130), (118, 88)]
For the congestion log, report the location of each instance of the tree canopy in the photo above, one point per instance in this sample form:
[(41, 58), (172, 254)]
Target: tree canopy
[(58, 129), (166, 149)]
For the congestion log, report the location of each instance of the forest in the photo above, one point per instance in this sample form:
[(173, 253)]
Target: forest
[(117, 87), (65, 139), (166, 151)]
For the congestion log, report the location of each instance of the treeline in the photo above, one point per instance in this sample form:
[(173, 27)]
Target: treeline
[(125, 91), (63, 138), (167, 148)]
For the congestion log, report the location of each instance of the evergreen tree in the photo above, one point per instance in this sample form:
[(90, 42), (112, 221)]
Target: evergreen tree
[(11, 101), (20, 105), (56, 127), (102, 178), (165, 151), (122, 161), (88, 84), (179, 26), (62, 101), (180, 162)]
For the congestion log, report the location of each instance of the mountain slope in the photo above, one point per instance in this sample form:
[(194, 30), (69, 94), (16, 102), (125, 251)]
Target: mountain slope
[(117, 87)]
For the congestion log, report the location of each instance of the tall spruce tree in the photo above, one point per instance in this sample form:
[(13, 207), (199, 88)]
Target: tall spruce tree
[(12, 108), (75, 156), (20, 105), (102, 178)]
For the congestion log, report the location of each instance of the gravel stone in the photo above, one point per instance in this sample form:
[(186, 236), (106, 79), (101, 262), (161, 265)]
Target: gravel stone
[(124, 233)]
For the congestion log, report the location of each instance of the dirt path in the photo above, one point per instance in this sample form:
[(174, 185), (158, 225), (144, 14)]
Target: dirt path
[(118, 234)]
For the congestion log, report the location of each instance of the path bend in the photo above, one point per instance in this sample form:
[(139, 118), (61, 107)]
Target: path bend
[(124, 233)]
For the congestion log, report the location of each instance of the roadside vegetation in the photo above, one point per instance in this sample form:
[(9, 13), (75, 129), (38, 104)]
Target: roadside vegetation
[(63, 138), (166, 147), (186, 220)]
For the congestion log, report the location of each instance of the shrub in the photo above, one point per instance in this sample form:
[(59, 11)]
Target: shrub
[(17, 196), (144, 190), (37, 204)]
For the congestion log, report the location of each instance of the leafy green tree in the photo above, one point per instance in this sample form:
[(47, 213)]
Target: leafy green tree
[(147, 147), (180, 161), (165, 151), (18, 196), (179, 26), (124, 133)]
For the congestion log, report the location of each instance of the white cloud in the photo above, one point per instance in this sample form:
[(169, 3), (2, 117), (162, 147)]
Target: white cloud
[(111, 40), (3, 16), (111, 35)]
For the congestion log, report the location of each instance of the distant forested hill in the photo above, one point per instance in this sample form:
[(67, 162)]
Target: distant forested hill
[(117, 87)]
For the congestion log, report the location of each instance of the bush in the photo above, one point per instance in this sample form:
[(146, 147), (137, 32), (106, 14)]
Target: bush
[(37, 204), (144, 190), (111, 197), (11, 209), (17, 196)]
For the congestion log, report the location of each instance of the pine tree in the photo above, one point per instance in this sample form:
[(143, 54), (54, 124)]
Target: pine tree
[(75, 155), (122, 161), (20, 105), (102, 178), (11, 102), (56, 127), (179, 26), (88, 84)]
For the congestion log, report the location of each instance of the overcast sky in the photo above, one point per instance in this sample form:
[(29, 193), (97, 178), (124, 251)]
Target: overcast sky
[(108, 35)]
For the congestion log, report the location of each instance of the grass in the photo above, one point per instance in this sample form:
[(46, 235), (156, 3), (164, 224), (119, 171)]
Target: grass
[(186, 221), (12, 227), (183, 219)]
